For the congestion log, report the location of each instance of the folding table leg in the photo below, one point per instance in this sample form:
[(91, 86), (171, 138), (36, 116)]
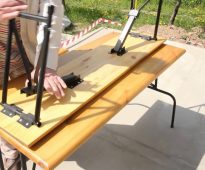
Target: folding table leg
[(23, 161), (155, 87), (34, 166), (1, 162)]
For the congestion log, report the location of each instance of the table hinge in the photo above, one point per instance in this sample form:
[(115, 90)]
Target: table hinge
[(27, 120)]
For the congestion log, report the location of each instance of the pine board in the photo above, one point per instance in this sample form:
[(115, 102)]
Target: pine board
[(97, 67)]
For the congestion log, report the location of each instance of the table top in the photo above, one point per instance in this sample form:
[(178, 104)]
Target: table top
[(66, 138), (98, 69)]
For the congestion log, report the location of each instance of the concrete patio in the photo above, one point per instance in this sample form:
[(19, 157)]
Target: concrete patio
[(139, 137)]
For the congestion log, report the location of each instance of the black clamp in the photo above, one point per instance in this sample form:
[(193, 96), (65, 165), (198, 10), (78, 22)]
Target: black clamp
[(72, 80), (120, 52)]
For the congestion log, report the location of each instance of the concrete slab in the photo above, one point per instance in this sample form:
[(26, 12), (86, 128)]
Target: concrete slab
[(139, 137)]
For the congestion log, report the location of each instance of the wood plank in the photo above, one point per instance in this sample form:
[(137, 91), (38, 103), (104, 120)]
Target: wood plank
[(18, 83), (98, 68), (66, 138)]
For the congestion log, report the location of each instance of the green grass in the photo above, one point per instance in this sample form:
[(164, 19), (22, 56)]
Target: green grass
[(84, 12)]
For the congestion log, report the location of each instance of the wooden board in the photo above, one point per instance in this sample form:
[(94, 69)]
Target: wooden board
[(69, 136), (98, 68)]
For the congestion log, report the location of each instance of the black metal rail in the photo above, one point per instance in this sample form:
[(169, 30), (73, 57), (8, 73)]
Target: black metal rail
[(25, 119)]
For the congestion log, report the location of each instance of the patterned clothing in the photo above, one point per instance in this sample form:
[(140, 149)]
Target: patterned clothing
[(16, 65)]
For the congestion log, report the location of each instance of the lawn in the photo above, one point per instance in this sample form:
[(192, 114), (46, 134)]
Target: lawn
[(84, 12)]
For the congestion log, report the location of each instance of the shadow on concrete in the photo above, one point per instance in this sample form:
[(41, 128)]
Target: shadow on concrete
[(148, 145)]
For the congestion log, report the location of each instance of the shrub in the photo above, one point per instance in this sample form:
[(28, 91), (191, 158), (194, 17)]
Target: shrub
[(192, 2)]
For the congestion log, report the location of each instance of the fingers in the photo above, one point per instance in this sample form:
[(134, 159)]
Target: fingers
[(10, 9), (48, 87), (61, 82), (14, 8), (59, 86), (55, 86), (8, 16), (11, 3), (26, 83)]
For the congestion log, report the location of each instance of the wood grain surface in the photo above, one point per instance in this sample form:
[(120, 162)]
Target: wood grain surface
[(99, 70), (73, 132)]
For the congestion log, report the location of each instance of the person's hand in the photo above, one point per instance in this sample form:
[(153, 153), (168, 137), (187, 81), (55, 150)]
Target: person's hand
[(11, 8), (53, 83)]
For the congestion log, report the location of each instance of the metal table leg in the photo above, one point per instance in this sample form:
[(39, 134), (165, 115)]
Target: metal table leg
[(155, 87), (1, 162), (23, 161), (34, 166)]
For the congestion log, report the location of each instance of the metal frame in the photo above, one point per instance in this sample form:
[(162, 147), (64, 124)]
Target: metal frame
[(23, 159), (1, 161), (154, 86), (9, 109), (71, 80), (133, 15), (26, 119)]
